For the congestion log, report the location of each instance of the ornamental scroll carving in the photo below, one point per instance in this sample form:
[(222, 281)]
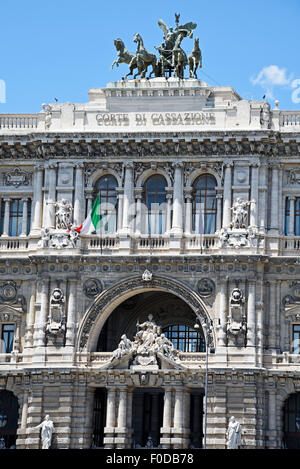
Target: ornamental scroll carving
[(17, 177)]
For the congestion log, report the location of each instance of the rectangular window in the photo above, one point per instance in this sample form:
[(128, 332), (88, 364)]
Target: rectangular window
[(296, 339), (7, 338), (297, 217), (2, 216), (15, 217)]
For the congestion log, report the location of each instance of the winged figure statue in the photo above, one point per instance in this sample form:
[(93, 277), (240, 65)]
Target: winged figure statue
[(172, 58), (173, 35)]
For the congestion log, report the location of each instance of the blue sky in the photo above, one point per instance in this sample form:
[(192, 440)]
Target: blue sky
[(61, 49)]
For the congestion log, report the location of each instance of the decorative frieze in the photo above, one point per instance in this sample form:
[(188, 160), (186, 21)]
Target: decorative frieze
[(149, 145)]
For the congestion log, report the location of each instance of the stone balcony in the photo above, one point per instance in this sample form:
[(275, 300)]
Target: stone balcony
[(156, 244)]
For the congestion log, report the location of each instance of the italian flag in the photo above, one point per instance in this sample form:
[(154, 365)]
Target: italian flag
[(92, 221)]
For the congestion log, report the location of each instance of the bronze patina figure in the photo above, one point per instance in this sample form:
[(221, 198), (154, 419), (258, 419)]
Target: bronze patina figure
[(172, 58), (195, 59)]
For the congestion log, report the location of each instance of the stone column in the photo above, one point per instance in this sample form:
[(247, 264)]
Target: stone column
[(263, 199), (272, 433), (25, 216), (219, 212), (71, 320), (272, 315), (120, 208), (38, 200), (169, 198), (251, 314), (291, 230), (186, 416), (227, 196), (121, 429), (223, 313), (78, 195), (165, 440), (178, 430), (177, 225), (274, 201), (188, 211), (41, 314), (89, 198), (109, 429), (24, 411), (138, 219), (254, 195), (51, 195), (30, 317), (128, 198), (6, 216)]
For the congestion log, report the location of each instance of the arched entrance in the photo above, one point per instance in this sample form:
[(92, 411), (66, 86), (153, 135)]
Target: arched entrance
[(110, 299), (8, 419), (291, 422), (141, 409), (175, 317)]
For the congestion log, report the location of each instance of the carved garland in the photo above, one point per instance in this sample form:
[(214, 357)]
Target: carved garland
[(135, 284)]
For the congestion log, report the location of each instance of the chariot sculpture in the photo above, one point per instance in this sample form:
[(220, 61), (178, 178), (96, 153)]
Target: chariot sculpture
[(172, 59)]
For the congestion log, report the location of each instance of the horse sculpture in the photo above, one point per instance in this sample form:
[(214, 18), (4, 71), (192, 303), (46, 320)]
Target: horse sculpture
[(124, 56), (143, 58), (195, 59), (179, 59)]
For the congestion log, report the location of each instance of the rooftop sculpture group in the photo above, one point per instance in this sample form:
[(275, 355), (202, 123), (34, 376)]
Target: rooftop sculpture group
[(172, 58)]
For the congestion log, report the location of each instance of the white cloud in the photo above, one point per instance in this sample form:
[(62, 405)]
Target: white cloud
[(296, 93), (271, 76)]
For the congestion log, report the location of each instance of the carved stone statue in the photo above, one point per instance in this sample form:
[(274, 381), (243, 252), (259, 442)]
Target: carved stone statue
[(47, 428), (149, 344), (239, 213), (124, 347), (45, 238), (56, 323), (234, 434), (63, 214)]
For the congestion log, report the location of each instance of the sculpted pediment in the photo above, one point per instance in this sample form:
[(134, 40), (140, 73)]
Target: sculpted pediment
[(150, 350)]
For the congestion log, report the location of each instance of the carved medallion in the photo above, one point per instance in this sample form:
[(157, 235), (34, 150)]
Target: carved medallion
[(92, 287), (206, 287), (8, 291)]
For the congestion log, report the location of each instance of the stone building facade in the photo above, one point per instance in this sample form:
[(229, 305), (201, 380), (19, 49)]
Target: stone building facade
[(199, 227)]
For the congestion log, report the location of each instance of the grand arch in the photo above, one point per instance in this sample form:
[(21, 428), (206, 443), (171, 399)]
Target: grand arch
[(108, 300)]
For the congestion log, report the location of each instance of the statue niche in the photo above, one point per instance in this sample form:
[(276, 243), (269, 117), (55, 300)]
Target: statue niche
[(237, 324), (56, 325)]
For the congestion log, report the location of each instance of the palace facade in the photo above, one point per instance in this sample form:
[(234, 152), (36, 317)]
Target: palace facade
[(197, 243)]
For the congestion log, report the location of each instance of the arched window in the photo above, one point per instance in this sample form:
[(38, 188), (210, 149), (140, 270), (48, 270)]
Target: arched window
[(155, 203), (185, 338), (204, 204), (105, 189)]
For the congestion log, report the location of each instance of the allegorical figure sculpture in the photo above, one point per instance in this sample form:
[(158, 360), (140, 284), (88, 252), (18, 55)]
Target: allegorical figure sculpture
[(47, 428), (239, 213), (63, 214), (234, 434)]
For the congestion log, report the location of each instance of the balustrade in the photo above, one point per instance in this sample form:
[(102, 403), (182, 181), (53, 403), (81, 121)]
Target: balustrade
[(18, 121)]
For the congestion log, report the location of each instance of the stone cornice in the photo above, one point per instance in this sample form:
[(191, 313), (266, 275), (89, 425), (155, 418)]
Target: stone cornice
[(87, 146)]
